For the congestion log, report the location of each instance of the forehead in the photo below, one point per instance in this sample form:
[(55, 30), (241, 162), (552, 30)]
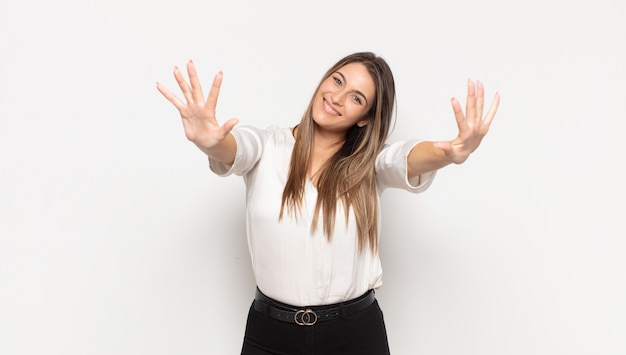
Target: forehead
[(357, 77)]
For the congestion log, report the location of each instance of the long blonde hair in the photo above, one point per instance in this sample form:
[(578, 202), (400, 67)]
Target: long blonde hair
[(349, 174)]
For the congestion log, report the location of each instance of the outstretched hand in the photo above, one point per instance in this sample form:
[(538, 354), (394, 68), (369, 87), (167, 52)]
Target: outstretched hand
[(472, 125), (198, 114)]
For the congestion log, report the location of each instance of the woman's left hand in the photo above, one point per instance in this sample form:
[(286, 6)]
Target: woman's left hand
[(472, 125)]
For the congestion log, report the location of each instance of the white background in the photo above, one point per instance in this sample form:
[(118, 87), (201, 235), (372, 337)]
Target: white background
[(115, 238)]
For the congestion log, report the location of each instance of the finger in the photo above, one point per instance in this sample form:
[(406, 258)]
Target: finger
[(491, 113), (458, 114), (170, 96), (184, 87), (214, 93), (196, 88), (470, 106), (480, 99)]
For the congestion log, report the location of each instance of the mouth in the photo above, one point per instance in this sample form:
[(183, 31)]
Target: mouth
[(329, 109)]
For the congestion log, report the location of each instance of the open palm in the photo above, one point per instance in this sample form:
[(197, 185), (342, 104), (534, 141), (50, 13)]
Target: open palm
[(198, 114), (472, 125)]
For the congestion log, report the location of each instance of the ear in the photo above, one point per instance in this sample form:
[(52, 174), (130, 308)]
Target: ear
[(362, 123)]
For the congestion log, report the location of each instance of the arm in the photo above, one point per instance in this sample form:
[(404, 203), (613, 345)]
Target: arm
[(201, 126), (429, 156)]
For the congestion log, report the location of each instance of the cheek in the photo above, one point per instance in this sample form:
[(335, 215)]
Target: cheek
[(357, 111), (317, 103)]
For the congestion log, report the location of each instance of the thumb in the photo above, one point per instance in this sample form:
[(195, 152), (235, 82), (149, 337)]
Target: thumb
[(445, 146), (229, 125)]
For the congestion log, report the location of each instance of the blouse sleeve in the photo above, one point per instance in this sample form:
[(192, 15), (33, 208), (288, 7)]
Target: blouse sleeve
[(250, 141), (392, 170)]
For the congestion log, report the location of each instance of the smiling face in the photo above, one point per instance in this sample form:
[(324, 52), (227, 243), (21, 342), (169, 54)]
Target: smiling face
[(344, 98)]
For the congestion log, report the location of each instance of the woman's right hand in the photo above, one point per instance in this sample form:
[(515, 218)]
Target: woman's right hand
[(198, 115)]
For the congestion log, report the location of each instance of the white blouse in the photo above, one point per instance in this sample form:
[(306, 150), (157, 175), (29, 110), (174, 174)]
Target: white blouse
[(290, 263)]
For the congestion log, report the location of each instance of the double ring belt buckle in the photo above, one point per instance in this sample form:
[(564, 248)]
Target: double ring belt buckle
[(305, 317)]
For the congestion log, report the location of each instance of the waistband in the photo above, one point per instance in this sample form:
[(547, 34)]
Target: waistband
[(313, 314)]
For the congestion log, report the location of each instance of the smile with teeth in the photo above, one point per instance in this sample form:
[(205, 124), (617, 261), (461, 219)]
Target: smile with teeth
[(329, 109)]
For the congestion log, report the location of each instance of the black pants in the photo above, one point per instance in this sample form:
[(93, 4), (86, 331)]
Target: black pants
[(361, 333)]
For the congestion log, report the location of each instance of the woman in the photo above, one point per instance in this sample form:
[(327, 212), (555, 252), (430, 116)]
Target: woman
[(313, 201)]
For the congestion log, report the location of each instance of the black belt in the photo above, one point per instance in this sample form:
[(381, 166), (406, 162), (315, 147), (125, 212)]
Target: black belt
[(310, 315)]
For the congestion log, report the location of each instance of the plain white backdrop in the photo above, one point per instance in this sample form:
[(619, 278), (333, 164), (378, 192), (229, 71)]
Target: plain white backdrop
[(115, 238)]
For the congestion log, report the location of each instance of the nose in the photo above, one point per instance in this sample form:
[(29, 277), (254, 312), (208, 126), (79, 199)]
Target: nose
[(338, 97)]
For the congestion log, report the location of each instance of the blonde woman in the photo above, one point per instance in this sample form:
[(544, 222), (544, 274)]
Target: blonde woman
[(313, 190)]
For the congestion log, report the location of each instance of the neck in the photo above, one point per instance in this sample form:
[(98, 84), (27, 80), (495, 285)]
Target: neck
[(324, 145), (323, 140), (327, 140)]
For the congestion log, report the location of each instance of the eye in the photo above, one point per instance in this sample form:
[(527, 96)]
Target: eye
[(357, 99), (337, 80)]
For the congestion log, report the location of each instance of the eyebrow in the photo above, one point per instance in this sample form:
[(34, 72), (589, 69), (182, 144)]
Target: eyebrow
[(357, 91)]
